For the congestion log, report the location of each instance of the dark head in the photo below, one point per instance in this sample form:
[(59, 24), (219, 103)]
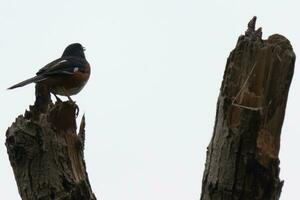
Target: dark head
[(74, 49)]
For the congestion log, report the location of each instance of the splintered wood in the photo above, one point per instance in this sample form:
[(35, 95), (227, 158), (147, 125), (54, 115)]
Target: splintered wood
[(242, 158)]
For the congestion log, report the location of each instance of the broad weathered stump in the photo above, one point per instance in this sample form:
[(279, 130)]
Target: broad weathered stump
[(242, 158), (46, 153)]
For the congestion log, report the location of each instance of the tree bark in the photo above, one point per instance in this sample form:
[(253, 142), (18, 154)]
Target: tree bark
[(46, 153), (242, 158)]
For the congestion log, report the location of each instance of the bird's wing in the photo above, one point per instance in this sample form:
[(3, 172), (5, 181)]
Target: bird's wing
[(63, 65)]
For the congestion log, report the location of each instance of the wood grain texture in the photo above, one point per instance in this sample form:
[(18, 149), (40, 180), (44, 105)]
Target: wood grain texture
[(46, 154), (242, 158)]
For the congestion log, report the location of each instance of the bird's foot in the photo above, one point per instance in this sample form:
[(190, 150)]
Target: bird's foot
[(74, 103), (57, 98), (76, 110), (69, 98)]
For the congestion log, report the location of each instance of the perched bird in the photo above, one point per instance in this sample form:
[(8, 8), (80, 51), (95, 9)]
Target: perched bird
[(66, 75)]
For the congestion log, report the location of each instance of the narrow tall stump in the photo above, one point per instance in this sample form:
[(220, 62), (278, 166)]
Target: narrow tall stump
[(242, 158), (46, 153)]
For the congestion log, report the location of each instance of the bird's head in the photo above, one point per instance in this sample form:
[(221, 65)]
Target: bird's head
[(74, 49)]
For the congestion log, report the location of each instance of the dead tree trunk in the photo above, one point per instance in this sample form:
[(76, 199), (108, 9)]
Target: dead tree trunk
[(242, 158), (46, 153)]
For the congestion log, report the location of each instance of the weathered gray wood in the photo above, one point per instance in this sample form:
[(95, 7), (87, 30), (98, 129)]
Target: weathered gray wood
[(242, 157), (46, 153)]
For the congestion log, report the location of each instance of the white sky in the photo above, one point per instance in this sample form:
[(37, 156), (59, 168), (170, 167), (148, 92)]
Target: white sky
[(150, 103)]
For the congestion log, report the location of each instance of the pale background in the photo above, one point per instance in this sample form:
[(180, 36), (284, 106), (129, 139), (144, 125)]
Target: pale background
[(150, 103)]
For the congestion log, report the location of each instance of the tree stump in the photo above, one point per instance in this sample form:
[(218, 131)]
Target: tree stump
[(242, 158), (46, 153)]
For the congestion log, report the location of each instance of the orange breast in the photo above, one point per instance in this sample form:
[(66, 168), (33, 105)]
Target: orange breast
[(65, 84)]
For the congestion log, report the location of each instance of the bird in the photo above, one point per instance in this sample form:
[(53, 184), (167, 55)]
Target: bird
[(64, 76)]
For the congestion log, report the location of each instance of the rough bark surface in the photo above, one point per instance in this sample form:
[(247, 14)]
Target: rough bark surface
[(242, 157), (46, 153)]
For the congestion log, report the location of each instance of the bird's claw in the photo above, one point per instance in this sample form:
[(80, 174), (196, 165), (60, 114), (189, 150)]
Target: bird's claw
[(76, 110), (57, 98), (76, 107)]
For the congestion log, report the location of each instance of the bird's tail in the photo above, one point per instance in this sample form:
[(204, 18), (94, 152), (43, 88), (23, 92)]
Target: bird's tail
[(30, 80)]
